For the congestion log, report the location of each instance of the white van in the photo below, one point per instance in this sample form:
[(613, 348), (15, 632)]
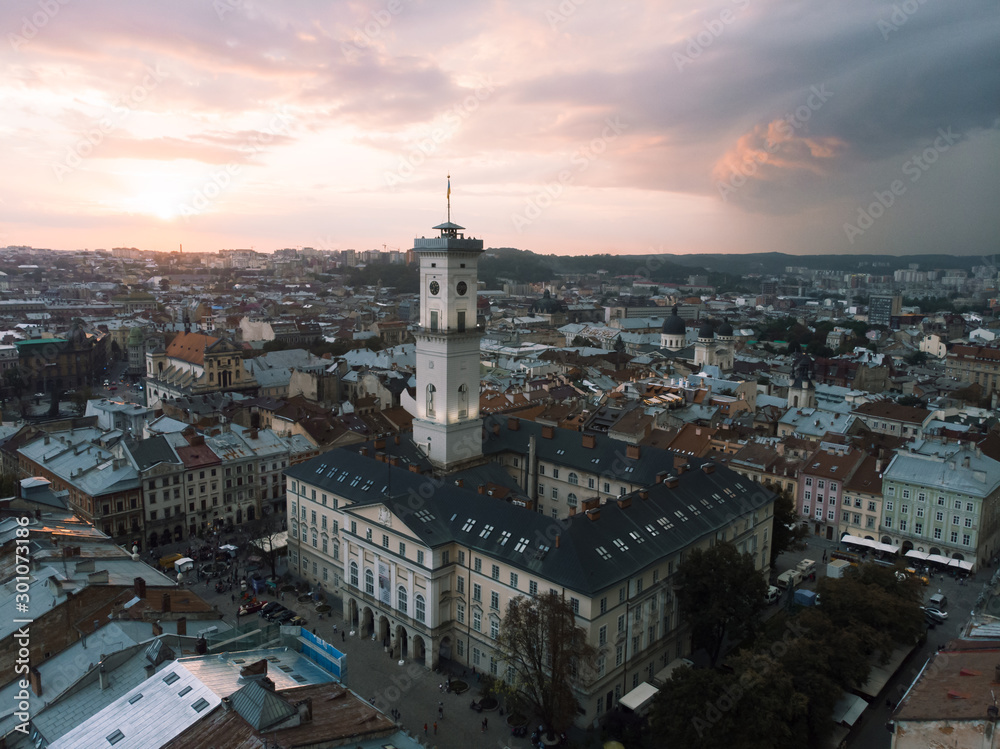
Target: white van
[(773, 594), (938, 601)]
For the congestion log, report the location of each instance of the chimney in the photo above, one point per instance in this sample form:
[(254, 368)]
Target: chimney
[(380, 443), (253, 434), (679, 461), (671, 482), (708, 467), (305, 708), (557, 540), (380, 457), (589, 440), (459, 483), (227, 705), (140, 587), (157, 629), (103, 677), (35, 677), (182, 626), (45, 439), (572, 511), (590, 504), (513, 424), (661, 476), (414, 468), (624, 502), (548, 432), (594, 513), (632, 452), (396, 439), (364, 451), (644, 495), (165, 604), (481, 488), (394, 461)]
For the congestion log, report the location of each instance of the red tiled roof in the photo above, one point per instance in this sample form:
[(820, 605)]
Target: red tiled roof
[(190, 347)]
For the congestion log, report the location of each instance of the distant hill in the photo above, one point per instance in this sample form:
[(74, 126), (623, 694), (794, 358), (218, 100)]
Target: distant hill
[(525, 266)]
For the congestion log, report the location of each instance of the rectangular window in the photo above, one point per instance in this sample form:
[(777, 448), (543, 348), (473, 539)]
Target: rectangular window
[(532, 588), (385, 541), (888, 505), (461, 613), (513, 580), (495, 572), (402, 549), (621, 623), (937, 534), (460, 584), (477, 564), (494, 600), (477, 621), (477, 592), (575, 604), (604, 605), (954, 537), (619, 655), (918, 528), (602, 635), (420, 556), (966, 539)]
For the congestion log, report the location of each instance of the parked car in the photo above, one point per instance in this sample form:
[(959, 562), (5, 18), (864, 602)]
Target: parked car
[(269, 607), (251, 608), (284, 616), (277, 613), (297, 621)]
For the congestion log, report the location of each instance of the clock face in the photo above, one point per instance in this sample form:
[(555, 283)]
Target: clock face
[(462, 288), (435, 287)]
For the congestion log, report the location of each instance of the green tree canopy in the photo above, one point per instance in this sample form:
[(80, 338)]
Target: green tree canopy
[(720, 593)]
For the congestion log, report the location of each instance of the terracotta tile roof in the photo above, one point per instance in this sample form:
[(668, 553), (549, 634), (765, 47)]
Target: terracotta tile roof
[(190, 347)]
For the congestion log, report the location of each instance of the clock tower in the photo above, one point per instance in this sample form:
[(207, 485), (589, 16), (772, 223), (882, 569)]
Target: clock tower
[(446, 424)]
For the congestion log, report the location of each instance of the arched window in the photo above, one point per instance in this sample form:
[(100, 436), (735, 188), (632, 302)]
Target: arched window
[(369, 583), (418, 608), (430, 400), (354, 574), (463, 401), (571, 499), (401, 599), (573, 479)]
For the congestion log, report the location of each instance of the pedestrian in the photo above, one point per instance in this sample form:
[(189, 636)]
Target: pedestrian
[(233, 596), (484, 725), (435, 728), (425, 729), (335, 629), (343, 637), (440, 712)]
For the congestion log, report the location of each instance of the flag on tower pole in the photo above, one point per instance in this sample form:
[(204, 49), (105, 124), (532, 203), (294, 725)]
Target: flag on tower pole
[(449, 186)]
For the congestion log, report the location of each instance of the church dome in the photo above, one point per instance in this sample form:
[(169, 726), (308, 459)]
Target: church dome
[(547, 305), (725, 330), (705, 331), (674, 324), (135, 337)]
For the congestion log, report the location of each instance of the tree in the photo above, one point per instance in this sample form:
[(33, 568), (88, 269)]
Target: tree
[(753, 707), (720, 593), (540, 641), (579, 340), (786, 531), (265, 539)]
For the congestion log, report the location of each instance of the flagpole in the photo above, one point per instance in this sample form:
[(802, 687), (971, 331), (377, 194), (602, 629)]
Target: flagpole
[(449, 198)]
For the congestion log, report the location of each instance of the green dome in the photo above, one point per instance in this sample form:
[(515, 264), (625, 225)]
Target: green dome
[(135, 337)]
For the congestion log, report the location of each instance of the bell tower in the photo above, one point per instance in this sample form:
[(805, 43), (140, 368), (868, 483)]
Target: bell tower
[(446, 424)]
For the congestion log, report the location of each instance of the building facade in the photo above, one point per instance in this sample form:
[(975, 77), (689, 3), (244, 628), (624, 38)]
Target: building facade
[(944, 499)]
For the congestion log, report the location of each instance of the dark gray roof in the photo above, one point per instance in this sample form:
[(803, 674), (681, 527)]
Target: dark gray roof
[(149, 452), (608, 456), (591, 556)]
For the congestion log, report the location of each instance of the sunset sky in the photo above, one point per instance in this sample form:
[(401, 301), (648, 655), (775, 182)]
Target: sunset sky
[(845, 126)]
